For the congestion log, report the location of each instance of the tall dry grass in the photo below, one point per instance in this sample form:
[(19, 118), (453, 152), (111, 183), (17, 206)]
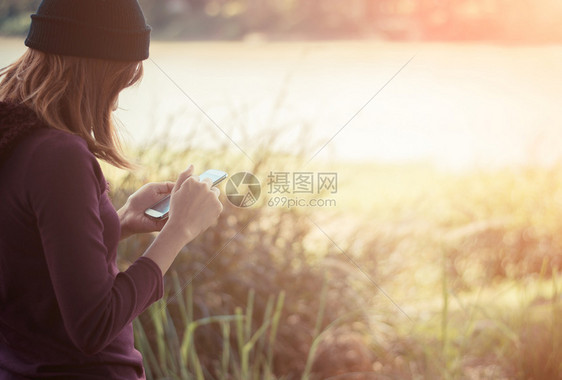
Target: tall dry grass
[(472, 260)]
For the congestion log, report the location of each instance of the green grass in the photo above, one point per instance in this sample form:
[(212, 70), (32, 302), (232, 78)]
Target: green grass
[(171, 351)]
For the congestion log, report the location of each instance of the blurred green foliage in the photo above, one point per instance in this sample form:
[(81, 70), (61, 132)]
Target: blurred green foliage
[(513, 20)]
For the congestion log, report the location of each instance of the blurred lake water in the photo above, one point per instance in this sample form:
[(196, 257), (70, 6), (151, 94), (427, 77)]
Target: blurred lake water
[(454, 105)]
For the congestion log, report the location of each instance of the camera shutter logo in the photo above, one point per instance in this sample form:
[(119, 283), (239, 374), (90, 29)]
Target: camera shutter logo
[(243, 189)]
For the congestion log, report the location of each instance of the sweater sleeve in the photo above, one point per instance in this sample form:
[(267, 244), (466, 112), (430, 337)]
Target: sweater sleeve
[(66, 185)]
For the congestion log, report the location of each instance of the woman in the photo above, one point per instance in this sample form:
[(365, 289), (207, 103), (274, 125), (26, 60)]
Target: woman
[(65, 310)]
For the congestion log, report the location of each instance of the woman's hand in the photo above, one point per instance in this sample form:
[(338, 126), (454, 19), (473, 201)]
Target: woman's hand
[(194, 206), (132, 216)]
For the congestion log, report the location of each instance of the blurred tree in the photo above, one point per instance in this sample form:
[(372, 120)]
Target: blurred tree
[(521, 20), (14, 15)]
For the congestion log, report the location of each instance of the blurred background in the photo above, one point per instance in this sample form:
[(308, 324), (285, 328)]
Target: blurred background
[(437, 257), (482, 89), (443, 20)]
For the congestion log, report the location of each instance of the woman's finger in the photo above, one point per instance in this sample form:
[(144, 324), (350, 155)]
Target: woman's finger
[(182, 177), (161, 188), (160, 224), (208, 182)]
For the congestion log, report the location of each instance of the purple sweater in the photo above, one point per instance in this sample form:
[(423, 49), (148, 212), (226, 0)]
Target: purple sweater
[(65, 309)]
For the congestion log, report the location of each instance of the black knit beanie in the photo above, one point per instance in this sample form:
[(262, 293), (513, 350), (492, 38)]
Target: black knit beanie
[(105, 29)]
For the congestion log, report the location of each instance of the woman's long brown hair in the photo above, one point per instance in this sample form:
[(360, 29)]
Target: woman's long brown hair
[(73, 94)]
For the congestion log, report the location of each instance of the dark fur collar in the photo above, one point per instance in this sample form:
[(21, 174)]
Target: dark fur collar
[(16, 122)]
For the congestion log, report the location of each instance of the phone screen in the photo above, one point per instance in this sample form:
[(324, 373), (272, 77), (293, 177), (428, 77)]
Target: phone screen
[(161, 208)]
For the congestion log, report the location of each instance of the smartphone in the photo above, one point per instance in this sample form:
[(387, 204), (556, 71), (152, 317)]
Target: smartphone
[(160, 209)]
